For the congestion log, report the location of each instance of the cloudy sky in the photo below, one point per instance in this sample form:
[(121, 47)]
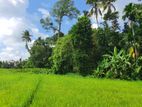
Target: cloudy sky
[(18, 15)]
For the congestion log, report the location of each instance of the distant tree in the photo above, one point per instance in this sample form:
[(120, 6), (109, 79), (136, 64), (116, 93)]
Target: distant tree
[(18, 64), (61, 9), (26, 36)]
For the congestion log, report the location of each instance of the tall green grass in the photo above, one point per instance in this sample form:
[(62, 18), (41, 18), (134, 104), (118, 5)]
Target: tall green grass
[(17, 89), (40, 90), (62, 91)]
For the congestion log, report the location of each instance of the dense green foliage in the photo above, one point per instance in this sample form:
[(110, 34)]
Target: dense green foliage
[(82, 45), (73, 52), (62, 56), (32, 90), (119, 65), (40, 53)]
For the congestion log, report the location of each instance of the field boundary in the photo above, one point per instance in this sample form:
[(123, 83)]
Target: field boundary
[(30, 100)]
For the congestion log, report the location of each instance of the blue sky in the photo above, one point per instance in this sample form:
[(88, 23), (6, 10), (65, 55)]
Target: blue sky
[(18, 15)]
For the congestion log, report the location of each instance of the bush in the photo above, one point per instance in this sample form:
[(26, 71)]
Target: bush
[(120, 66)]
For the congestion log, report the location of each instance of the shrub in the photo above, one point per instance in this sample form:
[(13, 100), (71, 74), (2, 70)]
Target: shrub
[(119, 65)]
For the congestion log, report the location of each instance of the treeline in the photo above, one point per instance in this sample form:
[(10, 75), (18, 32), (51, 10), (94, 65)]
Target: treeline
[(11, 64), (107, 51)]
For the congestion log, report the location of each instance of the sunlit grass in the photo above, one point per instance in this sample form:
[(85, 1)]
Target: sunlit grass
[(34, 90), (62, 91), (16, 89)]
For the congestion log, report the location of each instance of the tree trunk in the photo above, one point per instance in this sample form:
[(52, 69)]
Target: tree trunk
[(59, 28)]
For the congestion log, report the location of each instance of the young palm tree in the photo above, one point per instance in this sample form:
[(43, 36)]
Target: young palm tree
[(27, 38)]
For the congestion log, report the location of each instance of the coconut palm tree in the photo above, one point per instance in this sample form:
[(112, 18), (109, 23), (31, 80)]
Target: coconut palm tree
[(95, 9), (110, 12), (27, 38), (130, 13), (108, 6)]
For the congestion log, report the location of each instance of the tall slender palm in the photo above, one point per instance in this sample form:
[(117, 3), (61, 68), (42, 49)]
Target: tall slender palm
[(27, 38), (95, 9), (110, 12)]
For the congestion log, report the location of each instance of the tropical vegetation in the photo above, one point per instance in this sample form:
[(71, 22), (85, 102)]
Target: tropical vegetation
[(112, 50)]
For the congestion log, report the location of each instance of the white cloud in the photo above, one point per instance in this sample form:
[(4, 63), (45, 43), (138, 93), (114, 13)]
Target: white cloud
[(37, 33), (10, 8), (10, 38), (45, 13), (13, 21)]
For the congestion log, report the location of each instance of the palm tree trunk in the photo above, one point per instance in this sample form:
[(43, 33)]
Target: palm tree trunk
[(97, 21), (135, 48), (27, 47)]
